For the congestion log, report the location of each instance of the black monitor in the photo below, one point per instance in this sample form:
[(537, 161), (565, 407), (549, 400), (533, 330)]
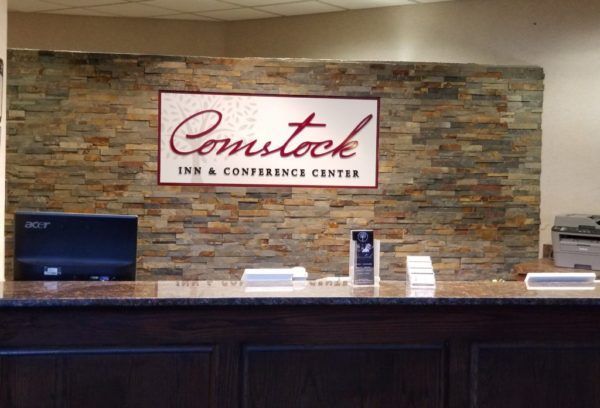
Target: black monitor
[(62, 246)]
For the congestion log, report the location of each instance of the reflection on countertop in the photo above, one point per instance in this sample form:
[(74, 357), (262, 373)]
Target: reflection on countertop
[(330, 291)]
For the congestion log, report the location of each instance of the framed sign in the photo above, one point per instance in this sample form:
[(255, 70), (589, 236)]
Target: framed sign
[(225, 139)]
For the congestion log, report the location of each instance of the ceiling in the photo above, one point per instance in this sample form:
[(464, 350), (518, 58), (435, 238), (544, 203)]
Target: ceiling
[(210, 10)]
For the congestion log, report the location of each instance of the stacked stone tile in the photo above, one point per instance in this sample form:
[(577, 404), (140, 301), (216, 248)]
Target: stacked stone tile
[(459, 163)]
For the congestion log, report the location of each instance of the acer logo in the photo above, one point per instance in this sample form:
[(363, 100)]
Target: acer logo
[(37, 224)]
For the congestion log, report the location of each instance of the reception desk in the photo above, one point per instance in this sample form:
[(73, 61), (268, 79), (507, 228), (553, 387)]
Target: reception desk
[(319, 344)]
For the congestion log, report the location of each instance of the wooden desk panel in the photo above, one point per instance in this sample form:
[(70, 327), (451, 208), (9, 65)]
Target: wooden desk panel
[(503, 349), (105, 377)]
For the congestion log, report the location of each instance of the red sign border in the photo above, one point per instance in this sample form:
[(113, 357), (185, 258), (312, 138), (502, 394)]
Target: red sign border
[(161, 91)]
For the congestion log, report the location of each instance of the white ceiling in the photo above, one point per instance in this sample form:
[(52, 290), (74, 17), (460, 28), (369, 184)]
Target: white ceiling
[(211, 10)]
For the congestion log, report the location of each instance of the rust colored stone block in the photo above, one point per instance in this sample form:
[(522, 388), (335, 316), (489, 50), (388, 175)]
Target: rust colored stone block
[(459, 163)]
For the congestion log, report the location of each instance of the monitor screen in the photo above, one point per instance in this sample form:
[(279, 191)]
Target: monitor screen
[(62, 246)]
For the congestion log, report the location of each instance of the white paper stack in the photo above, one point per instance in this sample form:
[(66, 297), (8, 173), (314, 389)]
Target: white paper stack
[(561, 281), (297, 273), (419, 272)]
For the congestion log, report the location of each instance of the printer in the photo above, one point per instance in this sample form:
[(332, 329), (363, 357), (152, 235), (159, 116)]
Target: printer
[(576, 241)]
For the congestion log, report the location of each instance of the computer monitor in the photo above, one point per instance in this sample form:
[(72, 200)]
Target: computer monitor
[(63, 246)]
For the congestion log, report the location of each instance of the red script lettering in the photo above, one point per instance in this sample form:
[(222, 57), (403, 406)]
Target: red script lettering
[(211, 119)]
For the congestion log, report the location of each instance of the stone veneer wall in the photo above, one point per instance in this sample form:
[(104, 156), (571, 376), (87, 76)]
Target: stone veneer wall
[(459, 163)]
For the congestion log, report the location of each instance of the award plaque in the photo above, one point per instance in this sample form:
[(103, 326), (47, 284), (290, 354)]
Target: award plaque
[(364, 256)]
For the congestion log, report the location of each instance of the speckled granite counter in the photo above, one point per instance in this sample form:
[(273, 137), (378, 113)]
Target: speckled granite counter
[(332, 292), (319, 344), (521, 270)]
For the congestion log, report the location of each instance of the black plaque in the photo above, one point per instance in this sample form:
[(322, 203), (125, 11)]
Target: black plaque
[(364, 257)]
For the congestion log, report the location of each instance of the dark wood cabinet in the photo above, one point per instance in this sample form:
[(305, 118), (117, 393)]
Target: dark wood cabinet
[(540, 375), (106, 377), (344, 376), (291, 355)]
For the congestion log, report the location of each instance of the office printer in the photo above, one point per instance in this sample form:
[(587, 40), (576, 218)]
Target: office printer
[(576, 241)]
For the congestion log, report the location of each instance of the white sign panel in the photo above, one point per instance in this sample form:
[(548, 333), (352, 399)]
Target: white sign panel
[(267, 140)]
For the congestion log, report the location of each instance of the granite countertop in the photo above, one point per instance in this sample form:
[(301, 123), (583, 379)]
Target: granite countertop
[(540, 265), (321, 292)]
